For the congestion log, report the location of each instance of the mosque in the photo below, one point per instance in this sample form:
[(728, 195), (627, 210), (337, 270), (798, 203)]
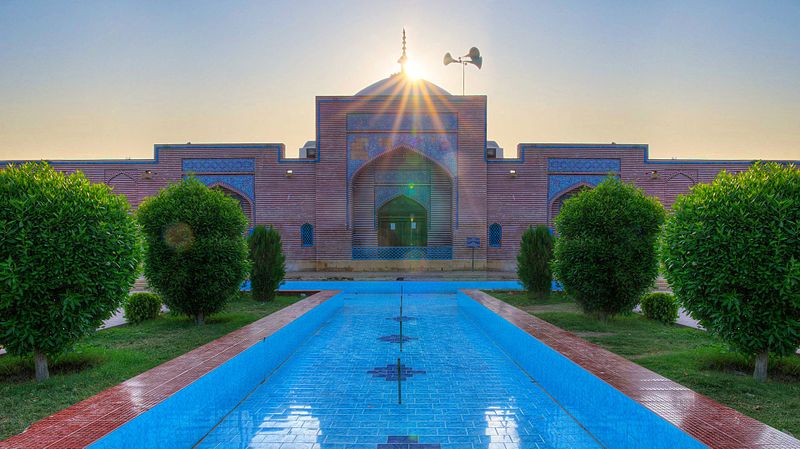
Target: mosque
[(401, 176)]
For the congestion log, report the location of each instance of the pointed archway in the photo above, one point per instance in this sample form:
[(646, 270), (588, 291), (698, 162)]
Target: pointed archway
[(402, 221)]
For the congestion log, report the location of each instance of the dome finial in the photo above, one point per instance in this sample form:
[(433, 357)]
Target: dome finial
[(403, 57)]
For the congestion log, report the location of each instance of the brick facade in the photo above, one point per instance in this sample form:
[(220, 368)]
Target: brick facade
[(353, 132)]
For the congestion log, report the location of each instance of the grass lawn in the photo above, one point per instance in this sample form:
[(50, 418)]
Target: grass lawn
[(688, 356), (111, 356)]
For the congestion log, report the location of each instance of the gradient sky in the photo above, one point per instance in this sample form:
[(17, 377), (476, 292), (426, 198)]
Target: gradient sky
[(108, 79)]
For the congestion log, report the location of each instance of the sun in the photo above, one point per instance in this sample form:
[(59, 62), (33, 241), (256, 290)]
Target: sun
[(414, 71)]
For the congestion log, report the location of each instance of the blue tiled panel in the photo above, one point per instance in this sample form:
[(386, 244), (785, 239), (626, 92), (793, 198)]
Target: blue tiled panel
[(558, 184), (219, 165), (242, 183), (404, 177), (185, 417), (616, 420), (470, 396), (583, 165), (441, 148), (420, 194), (404, 122), (402, 252)]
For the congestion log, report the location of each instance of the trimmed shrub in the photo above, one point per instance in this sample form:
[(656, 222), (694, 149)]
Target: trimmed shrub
[(533, 261), (660, 307), (69, 254), (142, 307), (268, 262), (605, 253), (731, 251), (196, 254)]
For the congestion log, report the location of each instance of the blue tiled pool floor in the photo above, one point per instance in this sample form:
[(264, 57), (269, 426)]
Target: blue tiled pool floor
[(465, 393)]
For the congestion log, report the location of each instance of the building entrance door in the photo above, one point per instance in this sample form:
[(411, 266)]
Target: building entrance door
[(402, 222)]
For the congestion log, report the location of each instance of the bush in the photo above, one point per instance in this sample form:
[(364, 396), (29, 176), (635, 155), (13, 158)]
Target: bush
[(605, 253), (731, 251), (268, 262), (141, 307), (660, 307), (69, 253), (533, 261), (196, 254)]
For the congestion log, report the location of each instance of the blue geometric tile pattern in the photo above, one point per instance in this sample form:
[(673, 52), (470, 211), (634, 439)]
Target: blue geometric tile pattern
[(219, 165), (405, 122), (420, 194), (440, 147), (561, 183), (395, 338), (390, 372), (402, 252), (472, 396), (243, 183), (583, 165), (404, 177)]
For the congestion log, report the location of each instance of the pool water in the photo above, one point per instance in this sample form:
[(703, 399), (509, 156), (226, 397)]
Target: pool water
[(339, 390)]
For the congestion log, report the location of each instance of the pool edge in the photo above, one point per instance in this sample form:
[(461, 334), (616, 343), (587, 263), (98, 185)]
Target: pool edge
[(711, 423), (86, 422)]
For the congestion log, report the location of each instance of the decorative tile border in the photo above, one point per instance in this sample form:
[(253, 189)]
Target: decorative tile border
[(219, 165), (86, 422), (708, 421), (574, 165), (404, 122)]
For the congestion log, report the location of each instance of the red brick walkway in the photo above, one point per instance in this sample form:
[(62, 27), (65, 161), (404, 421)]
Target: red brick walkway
[(710, 422), (86, 422)]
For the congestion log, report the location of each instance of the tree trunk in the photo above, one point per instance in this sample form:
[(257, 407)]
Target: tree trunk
[(760, 373), (199, 319), (40, 361)]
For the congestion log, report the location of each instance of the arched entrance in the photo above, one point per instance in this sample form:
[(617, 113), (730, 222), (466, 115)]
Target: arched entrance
[(402, 222)]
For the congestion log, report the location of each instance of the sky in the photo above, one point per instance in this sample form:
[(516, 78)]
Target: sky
[(108, 79)]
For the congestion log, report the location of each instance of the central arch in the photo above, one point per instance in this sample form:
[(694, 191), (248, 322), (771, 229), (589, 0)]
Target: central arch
[(387, 191), (402, 222)]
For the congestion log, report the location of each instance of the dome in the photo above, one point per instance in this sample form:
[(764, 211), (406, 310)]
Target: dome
[(400, 84)]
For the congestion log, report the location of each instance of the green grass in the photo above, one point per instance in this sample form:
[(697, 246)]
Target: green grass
[(111, 356), (688, 356)]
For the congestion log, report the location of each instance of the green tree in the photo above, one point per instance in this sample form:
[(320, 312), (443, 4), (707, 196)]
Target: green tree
[(533, 260), (196, 254), (69, 254), (268, 262), (605, 253), (731, 250)]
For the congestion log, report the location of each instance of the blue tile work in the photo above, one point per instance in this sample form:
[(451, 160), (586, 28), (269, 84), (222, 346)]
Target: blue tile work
[(420, 194), (441, 148), (472, 396), (183, 419), (219, 165), (613, 418), (395, 338), (402, 252), (583, 165), (404, 177), (242, 183), (561, 183), (364, 287), (391, 373), (404, 122)]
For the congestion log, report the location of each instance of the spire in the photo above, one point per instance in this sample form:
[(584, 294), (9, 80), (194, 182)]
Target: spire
[(403, 57)]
